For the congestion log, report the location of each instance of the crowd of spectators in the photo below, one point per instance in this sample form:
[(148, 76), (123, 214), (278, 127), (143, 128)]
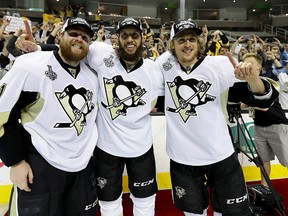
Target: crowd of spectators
[(273, 52)]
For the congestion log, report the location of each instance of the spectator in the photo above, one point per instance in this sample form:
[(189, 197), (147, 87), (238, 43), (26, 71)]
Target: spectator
[(270, 125), (283, 96), (4, 59), (216, 40), (147, 31), (69, 12), (224, 50), (101, 35), (114, 40), (272, 63), (5, 22), (160, 48), (164, 35), (11, 44), (53, 37)]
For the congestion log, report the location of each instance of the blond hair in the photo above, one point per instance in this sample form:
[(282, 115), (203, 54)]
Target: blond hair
[(257, 57), (200, 42)]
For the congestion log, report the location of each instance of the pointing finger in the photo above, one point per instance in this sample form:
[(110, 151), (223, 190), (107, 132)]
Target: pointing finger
[(29, 35), (231, 59)]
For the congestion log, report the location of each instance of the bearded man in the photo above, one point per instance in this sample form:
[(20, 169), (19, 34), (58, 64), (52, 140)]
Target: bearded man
[(128, 92), (47, 127)]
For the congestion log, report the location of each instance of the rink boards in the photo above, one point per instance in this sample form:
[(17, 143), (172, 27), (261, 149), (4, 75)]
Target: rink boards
[(251, 172)]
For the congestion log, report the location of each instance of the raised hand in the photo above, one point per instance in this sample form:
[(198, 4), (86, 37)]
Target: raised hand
[(243, 70), (29, 35), (249, 72), (26, 42)]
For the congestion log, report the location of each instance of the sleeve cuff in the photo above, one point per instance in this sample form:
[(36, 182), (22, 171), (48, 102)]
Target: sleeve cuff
[(268, 91)]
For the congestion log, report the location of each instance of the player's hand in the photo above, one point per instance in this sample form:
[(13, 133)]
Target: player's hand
[(29, 35), (238, 73), (26, 42), (23, 43), (249, 72), (243, 70), (21, 174)]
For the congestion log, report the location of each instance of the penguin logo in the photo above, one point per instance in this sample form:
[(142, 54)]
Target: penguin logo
[(122, 95), (187, 95), (102, 182), (77, 103), (180, 192)]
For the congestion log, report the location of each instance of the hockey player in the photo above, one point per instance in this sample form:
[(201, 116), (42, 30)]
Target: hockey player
[(48, 107), (129, 88), (198, 141)]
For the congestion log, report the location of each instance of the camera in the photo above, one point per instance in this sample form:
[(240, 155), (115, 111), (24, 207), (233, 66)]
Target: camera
[(234, 110)]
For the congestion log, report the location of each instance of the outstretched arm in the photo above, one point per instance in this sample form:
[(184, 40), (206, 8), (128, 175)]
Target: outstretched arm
[(260, 92), (243, 71)]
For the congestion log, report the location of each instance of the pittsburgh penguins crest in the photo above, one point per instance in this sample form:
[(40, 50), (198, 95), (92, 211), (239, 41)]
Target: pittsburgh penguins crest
[(102, 182), (122, 95), (180, 192), (187, 95), (77, 103)]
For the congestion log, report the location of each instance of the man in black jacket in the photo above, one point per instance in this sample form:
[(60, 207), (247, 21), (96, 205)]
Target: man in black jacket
[(271, 125)]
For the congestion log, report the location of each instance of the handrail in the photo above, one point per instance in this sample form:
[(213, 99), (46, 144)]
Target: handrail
[(281, 32), (278, 31), (269, 29)]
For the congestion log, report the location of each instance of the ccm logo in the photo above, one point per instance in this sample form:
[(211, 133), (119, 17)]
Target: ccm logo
[(87, 207), (237, 200), (143, 184)]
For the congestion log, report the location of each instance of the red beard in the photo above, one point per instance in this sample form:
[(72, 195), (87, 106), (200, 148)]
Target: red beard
[(68, 52)]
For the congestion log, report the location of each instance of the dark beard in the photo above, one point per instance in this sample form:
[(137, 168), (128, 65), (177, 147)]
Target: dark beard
[(68, 54), (130, 57)]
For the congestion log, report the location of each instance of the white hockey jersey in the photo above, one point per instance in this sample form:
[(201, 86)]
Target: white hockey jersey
[(197, 133), (125, 101), (57, 106)]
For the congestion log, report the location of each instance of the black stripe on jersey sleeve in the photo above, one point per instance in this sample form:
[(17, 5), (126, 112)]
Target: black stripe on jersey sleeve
[(15, 138)]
